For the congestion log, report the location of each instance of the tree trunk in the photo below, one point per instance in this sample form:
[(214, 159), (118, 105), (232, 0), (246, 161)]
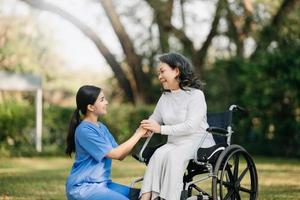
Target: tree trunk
[(200, 55), (141, 80), (235, 32), (109, 57), (163, 13)]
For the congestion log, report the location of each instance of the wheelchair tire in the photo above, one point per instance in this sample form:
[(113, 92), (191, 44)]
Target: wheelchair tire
[(235, 175)]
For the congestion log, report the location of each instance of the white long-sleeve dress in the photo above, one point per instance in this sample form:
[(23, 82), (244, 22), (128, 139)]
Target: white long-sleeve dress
[(182, 115)]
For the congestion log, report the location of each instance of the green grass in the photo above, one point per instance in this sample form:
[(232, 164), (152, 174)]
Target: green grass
[(44, 178)]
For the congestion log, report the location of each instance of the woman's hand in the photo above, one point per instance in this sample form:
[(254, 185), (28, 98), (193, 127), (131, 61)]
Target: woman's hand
[(121, 151), (141, 132), (148, 134), (151, 125)]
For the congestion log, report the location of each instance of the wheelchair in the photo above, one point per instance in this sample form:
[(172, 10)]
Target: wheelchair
[(229, 166)]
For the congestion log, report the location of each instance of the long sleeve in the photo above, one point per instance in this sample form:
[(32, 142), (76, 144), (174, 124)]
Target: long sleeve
[(156, 115), (196, 113)]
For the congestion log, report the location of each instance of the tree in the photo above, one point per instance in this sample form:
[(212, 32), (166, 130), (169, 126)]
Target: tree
[(163, 12), (267, 84), (240, 17), (115, 66), (136, 90), (24, 48)]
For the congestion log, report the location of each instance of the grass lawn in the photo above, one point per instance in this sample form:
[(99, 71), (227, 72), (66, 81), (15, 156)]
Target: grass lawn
[(44, 178)]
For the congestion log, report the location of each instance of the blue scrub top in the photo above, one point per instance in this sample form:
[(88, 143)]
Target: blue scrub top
[(92, 143)]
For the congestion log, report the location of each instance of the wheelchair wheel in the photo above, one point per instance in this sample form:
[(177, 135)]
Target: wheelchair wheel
[(235, 175)]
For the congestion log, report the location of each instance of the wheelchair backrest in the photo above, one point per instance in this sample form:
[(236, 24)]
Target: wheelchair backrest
[(221, 120)]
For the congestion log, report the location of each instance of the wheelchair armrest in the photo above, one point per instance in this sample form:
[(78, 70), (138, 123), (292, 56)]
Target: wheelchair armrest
[(217, 130), (140, 155), (135, 156), (146, 151), (141, 158)]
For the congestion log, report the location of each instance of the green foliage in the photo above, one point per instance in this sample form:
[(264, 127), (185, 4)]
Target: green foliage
[(17, 125), (268, 86), (123, 120), (55, 126), (26, 47)]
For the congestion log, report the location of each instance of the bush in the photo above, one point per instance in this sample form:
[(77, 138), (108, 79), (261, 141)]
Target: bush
[(17, 125), (268, 86), (55, 127), (123, 120)]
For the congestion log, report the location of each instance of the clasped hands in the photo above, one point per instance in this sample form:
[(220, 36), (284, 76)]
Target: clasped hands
[(151, 126)]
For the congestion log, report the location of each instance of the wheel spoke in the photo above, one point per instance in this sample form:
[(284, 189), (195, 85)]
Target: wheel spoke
[(227, 177), (233, 176), (229, 194), (245, 190), (243, 174), (238, 196), (227, 184), (236, 167), (233, 196), (229, 173)]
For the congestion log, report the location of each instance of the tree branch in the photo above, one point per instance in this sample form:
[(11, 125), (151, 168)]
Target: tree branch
[(269, 32), (248, 17), (200, 55), (285, 8), (182, 14), (188, 45), (163, 11), (234, 31), (134, 61), (109, 57)]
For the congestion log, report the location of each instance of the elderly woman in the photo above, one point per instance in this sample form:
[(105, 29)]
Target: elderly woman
[(181, 115)]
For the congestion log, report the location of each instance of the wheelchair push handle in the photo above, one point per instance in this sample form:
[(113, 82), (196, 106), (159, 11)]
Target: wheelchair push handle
[(238, 108)]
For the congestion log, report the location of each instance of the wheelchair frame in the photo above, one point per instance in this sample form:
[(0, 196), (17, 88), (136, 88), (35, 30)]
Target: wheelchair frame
[(226, 184)]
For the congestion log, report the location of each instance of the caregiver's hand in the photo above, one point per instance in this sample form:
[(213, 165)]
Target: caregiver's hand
[(151, 125)]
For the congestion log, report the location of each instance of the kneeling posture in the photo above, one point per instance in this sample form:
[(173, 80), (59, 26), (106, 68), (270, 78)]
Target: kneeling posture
[(94, 148)]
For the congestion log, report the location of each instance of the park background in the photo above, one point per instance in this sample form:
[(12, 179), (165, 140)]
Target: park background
[(247, 52)]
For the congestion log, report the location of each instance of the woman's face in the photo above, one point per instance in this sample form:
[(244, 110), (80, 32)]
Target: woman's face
[(167, 76), (99, 107)]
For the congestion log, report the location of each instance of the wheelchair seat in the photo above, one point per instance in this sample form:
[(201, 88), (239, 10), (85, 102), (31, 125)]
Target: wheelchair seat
[(210, 154)]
